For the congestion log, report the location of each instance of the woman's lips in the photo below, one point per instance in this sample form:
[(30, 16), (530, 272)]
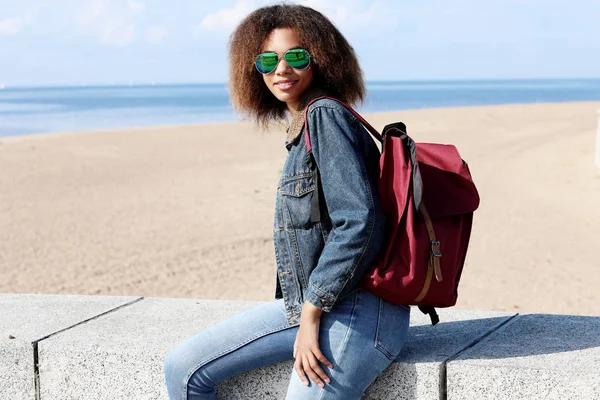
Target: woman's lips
[(285, 85)]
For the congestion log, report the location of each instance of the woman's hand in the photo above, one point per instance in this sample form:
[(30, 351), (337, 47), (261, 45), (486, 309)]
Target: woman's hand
[(306, 347)]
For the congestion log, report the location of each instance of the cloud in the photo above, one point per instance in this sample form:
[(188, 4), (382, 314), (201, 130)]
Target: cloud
[(136, 6), (14, 26), (352, 15), (226, 19), (112, 21), (371, 18), (11, 26), (155, 34), (120, 35)]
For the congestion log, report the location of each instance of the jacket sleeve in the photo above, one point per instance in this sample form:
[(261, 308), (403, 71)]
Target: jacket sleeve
[(354, 209)]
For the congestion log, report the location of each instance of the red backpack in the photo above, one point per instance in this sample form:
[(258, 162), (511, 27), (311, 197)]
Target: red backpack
[(428, 197)]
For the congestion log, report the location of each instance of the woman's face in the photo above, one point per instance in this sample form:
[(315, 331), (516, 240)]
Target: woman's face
[(286, 83)]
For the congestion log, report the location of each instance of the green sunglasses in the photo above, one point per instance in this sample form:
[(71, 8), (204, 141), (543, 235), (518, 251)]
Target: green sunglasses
[(296, 58)]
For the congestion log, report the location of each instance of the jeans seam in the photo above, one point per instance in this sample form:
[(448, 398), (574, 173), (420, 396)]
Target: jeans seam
[(346, 338), (230, 349), (381, 349), (378, 346)]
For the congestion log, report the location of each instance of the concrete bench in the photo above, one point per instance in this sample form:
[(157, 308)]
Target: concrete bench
[(106, 347)]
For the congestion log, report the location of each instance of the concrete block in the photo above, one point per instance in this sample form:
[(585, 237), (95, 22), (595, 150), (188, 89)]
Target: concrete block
[(28, 318), (536, 356), (419, 370), (121, 355)]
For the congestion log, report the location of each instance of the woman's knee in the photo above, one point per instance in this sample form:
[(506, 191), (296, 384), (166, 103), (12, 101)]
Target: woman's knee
[(173, 365), (178, 366), (183, 371)]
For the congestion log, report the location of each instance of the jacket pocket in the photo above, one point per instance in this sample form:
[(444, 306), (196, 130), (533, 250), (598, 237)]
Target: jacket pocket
[(297, 193)]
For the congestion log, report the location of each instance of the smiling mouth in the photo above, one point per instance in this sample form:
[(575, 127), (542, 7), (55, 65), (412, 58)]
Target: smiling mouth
[(283, 85)]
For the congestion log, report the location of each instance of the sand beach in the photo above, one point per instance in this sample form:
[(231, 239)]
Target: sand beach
[(187, 211)]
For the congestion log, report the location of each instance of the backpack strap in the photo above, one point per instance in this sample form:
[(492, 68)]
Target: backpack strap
[(315, 206), (435, 252), (315, 203), (398, 129), (433, 266), (431, 312), (369, 127)]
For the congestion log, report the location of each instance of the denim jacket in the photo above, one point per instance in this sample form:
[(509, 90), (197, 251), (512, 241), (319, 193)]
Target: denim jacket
[(322, 262)]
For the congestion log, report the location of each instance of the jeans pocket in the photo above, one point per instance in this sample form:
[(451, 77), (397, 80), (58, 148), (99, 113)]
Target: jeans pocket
[(392, 328)]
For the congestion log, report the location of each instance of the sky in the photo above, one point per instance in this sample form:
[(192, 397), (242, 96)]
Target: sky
[(86, 42)]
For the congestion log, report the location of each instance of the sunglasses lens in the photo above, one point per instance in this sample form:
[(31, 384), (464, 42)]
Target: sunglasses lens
[(297, 58), (266, 62)]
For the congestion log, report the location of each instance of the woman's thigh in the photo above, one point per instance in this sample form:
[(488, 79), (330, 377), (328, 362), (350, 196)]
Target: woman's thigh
[(361, 336), (251, 339)]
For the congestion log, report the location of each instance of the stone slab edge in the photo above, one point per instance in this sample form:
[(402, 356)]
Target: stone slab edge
[(478, 345), (467, 349), (34, 343), (475, 346)]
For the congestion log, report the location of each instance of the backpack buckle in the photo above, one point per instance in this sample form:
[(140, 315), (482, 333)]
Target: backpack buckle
[(435, 248)]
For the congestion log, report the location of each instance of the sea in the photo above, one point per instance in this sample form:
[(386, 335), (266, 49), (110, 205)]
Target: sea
[(28, 110)]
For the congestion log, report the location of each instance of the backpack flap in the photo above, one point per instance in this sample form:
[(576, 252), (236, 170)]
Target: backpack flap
[(450, 189)]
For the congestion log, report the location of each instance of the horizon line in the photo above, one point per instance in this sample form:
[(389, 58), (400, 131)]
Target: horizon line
[(4, 86)]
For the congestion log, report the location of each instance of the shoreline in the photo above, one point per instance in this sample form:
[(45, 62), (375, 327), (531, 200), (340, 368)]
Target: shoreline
[(372, 114)]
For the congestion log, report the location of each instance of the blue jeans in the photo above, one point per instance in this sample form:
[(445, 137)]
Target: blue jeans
[(361, 336)]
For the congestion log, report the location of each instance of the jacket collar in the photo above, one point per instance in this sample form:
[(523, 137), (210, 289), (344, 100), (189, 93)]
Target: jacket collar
[(297, 122)]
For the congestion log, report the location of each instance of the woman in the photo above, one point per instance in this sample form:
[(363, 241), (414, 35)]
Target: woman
[(341, 336)]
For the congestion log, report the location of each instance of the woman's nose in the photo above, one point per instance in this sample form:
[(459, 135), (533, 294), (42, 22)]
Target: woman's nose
[(283, 67)]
